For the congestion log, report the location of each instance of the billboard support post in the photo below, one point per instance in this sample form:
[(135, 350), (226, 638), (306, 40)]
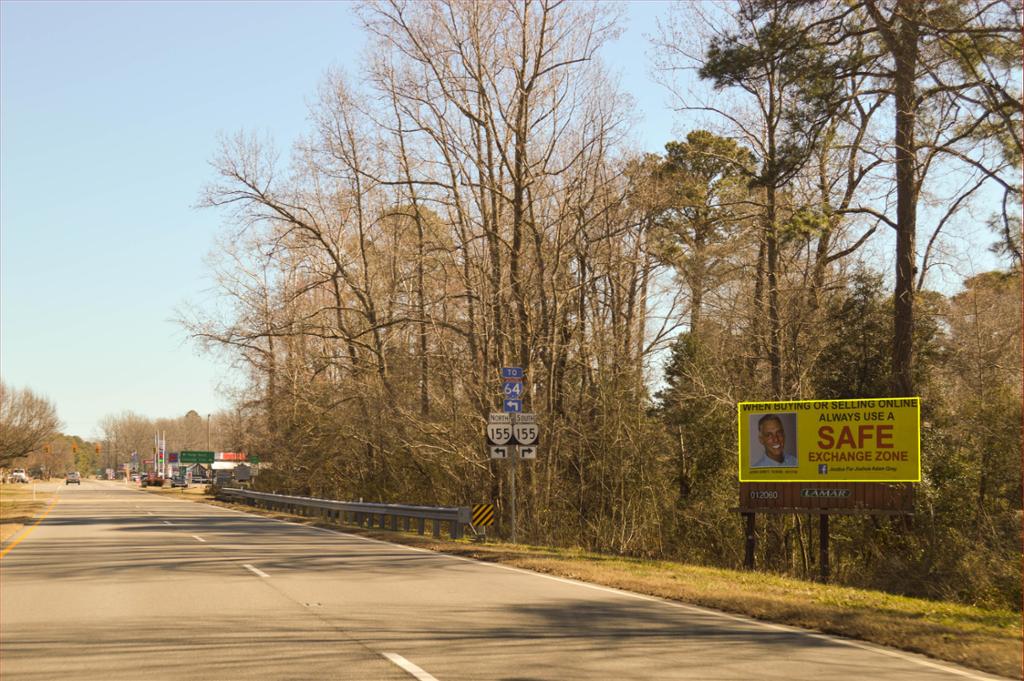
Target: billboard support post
[(823, 547), (751, 544)]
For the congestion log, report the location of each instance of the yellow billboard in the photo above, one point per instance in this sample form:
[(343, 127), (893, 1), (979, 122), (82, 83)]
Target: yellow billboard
[(867, 440)]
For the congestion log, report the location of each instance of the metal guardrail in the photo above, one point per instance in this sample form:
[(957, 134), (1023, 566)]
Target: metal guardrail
[(361, 513)]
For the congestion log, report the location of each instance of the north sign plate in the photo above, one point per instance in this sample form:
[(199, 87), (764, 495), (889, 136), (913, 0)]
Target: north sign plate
[(499, 433)]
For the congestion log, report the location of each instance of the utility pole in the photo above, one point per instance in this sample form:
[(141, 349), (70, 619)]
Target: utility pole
[(207, 432)]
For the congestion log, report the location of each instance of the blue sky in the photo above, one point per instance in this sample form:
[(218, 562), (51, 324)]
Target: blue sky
[(109, 114)]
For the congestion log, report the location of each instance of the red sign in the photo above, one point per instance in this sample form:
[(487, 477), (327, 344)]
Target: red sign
[(230, 456)]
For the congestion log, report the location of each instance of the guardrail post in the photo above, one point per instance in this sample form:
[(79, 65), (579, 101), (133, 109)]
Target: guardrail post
[(421, 524), (437, 528), (394, 523), (405, 523), (464, 518)]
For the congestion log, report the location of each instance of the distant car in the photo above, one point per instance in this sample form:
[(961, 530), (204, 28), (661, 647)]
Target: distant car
[(152, 480), (73, 479), (135, 477), (179, 481), (18, 475)]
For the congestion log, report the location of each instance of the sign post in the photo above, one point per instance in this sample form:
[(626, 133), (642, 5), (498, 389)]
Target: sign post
[(511, 433)]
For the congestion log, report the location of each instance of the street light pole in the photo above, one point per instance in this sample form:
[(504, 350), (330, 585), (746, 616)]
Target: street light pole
[(207, 432)]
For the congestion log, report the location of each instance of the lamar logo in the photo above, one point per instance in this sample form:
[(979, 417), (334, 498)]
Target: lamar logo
[(820, 493)]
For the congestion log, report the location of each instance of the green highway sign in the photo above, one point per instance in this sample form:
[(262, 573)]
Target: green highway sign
[(196, 457)]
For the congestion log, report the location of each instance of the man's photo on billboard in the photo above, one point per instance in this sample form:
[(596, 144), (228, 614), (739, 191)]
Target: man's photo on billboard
[(773, 440)]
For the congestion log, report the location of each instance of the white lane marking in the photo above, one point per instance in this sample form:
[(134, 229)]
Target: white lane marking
[(198, 538), (168, 522), (150, 513), (255, 571), (410, 667), (876, 648), (977, 676)]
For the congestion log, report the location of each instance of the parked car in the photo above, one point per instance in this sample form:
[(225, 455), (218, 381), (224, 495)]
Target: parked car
[(18, 475), (73, 479)]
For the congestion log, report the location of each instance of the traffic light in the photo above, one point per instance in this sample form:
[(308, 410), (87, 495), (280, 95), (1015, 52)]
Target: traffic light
[(74, 448), (47, 448), (97, 447)]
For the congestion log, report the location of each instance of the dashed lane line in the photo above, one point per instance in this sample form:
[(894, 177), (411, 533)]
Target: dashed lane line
[(415, 671), (870, 647), (255, 571)]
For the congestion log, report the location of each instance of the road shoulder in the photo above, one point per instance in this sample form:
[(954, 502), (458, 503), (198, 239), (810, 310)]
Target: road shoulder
[(979, 638)]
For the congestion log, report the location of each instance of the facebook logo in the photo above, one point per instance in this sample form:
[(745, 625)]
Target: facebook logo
[(822, 469)]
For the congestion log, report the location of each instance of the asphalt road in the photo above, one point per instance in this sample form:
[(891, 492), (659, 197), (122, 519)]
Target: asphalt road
[(116, 583)]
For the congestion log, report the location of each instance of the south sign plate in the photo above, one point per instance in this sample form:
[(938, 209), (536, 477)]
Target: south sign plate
[(525, 433)]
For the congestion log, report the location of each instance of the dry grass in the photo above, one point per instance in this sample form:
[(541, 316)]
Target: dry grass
[(17, 508), (984, 639)]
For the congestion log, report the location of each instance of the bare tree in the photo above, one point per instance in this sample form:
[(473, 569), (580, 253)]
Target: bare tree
[(27, 420)]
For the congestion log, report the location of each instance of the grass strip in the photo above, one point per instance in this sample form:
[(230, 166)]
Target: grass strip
[(984, 639), (17, 507)]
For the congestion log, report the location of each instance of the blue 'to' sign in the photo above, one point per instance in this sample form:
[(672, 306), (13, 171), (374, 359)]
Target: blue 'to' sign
[(512, 372)]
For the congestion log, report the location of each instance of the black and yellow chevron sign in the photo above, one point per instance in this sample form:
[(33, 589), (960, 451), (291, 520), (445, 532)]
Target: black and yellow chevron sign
[(483, 514)]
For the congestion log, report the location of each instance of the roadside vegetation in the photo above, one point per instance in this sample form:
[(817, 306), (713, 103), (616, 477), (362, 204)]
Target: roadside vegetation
[(988, 639), (841, 218), (18, 507), (469, 201)]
